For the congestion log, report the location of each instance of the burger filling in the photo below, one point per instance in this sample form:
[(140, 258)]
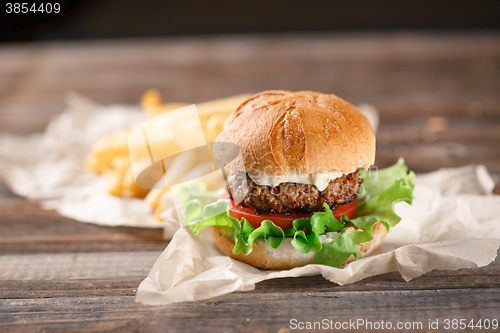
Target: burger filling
[(288, 198), (333, 234)]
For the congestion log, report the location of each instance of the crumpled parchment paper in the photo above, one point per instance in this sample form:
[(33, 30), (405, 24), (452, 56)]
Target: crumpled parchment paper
[(48, 168), (454, 223)]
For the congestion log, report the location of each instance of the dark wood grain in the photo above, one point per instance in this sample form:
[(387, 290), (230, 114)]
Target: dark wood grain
[(477, 278), (248, 312), (27, 228), (94, 271)]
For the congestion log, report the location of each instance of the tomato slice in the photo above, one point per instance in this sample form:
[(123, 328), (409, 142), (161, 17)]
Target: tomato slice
[(284, 221)]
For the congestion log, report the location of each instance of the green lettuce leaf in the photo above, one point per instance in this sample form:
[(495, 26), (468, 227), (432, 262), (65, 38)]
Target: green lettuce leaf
[(325, 222), (194, 199), (380, 191), (304, 239), (377, 181), (343, 246), (214, 214)]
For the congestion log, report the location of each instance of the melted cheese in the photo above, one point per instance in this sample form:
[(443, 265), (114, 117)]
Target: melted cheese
[(320, 179)]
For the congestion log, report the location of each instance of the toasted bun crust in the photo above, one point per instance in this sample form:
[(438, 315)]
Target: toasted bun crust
[(305, 131), (285, 256)]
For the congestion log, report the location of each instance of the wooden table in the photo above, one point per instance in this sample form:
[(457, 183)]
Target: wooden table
[(439, 100)]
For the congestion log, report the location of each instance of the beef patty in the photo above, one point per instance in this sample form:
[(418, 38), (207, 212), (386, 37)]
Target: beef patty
[(292, 197)]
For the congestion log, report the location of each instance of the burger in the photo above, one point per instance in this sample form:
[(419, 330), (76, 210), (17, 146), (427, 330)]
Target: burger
[(302, 190)]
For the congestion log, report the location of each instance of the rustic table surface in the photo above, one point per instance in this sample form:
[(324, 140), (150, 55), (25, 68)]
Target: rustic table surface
[(438, 96)]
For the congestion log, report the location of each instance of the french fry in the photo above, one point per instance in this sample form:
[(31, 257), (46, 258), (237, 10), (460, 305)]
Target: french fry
[(181, 165), (130, 188), (110, 155), (158, 210), (154, 196), (104, 151), (163, 109), (213, 126), (196, 172), (114, 175), (149, 177), (224, 105), (153, 106), (154, 200), (151, 99)]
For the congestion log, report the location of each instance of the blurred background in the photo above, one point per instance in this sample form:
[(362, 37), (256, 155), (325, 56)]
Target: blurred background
[(431, 68), (90, 19)]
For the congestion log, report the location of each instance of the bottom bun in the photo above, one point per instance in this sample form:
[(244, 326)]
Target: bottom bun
[(285, 256)]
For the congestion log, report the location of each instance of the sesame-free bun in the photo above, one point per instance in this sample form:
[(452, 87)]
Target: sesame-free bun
[(285, 256), (282, 131)]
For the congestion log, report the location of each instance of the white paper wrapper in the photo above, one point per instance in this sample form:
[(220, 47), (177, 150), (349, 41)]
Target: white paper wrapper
[(454, 223), (48, 168)]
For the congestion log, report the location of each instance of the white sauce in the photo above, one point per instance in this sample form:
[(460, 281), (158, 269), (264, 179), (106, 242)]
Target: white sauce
[(320, 179), (328, 237)]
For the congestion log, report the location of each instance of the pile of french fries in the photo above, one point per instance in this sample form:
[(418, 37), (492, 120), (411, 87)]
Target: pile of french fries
[(110, 155)]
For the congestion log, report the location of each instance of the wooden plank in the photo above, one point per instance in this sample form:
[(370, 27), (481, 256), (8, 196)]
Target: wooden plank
[(27, 228), (47, 266), (466, 129), (465, 140), (402, 74), (60, 287), (72, 244), (52, 234), (126, 282), (423, 157), (246, 312), (6, 193)]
